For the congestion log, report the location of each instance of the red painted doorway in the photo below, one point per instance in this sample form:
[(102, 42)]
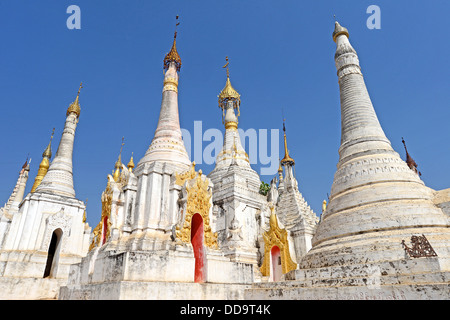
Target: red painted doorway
[(199, 250), (277, 270)]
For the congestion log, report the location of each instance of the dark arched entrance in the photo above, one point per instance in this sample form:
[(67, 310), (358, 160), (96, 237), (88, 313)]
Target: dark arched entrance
[(53, 254), (199, 250)]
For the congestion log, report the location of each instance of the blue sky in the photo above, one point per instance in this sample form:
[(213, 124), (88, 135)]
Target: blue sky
[(281, 60)]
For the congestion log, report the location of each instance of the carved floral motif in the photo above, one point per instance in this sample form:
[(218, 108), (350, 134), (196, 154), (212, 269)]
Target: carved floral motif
[(198, 201)]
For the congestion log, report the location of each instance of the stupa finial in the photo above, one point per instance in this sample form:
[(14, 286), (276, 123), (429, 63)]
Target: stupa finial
[(75, 106), (287, 159), (338, 30), (173, 55), (228, 93)]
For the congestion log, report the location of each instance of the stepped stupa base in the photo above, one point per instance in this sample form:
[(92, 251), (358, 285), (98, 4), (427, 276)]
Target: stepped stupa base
[(291, 290), (13, 288), (156, 274), (155, 290), (408, 279)]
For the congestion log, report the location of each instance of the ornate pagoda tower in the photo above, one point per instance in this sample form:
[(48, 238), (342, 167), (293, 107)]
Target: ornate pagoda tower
[(381, 236), (11, 207), (237, 200), (155, 239), (59, 178), (293, 210), (48, 233), (376, 200), (167, 144)]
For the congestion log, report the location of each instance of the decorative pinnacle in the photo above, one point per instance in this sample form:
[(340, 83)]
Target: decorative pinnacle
[(48, 151), (280, 169), (119, 159), (118, 164), (287, 159), (226, 66), (75, 106), (173, 55), (338, 30), (130, 164), (228, 93)]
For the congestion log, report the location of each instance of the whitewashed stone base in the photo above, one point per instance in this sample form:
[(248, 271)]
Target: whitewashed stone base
[(407, 279), (22, 275), (30, 288), (107, 274), (154, 290), (289, 291)]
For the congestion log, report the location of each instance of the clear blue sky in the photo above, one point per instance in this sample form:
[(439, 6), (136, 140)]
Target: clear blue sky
[(281, 57)]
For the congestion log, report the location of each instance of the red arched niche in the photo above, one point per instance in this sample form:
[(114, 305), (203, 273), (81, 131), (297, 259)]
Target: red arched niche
[(276, 263), (105, 229), (199, 250)]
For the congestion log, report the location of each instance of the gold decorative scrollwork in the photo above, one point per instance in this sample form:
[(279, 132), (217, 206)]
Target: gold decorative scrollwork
[(276, 237), (182, 177), (198, 201), (100, 230)]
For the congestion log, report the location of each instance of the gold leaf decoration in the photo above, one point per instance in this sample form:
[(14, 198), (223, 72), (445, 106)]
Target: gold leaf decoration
[(276, 237), (182, 177), (106, 213), (198, 201)]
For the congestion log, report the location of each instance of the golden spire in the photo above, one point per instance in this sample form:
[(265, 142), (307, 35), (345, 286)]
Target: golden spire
[(228, 92), (130, 164), (48, 151), (287, 159), (280, 169), (118, 164), (173, 55), (75, 106), (44, 165)]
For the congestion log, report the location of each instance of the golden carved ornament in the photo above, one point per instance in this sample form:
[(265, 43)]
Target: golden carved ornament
[(231, 125), (106, 213), (276, 237), (170, 80), (198, 201), (173, 55), (170, 87), (182, 177)]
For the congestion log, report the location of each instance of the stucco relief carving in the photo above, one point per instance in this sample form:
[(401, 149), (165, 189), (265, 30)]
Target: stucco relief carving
[(58, 220)]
